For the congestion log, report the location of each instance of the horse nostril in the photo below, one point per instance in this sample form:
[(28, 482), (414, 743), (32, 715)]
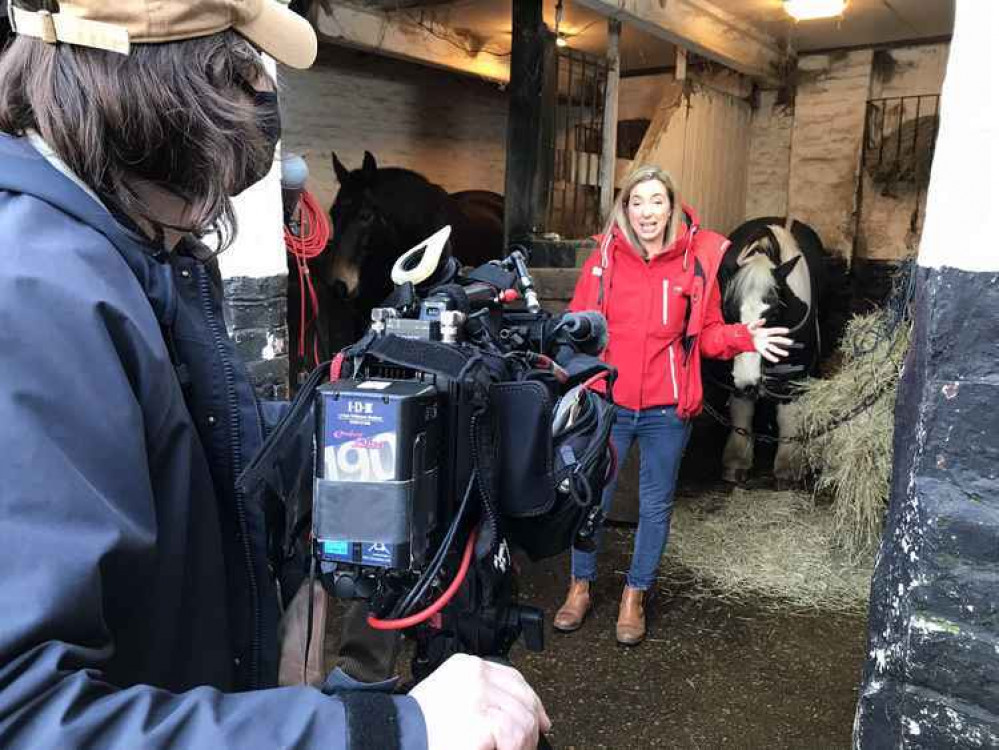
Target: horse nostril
[(339, 289)]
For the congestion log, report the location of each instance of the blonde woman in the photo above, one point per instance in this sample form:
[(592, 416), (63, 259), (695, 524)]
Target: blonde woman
[(654, 279)]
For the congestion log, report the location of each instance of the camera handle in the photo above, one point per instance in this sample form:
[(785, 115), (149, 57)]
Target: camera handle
[(470, 625)]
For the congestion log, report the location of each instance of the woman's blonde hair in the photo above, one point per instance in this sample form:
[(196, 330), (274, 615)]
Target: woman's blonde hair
[(619, 214)]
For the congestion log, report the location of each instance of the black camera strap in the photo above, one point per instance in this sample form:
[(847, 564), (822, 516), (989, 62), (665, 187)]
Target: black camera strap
[(372, 721), (273, 448)]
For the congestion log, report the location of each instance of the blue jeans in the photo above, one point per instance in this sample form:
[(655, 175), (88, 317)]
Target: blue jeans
[(662, 438)]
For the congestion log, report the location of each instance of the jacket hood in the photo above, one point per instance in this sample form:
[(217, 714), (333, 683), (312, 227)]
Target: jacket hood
[(25, 171)]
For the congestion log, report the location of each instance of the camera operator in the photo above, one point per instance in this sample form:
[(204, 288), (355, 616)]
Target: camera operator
[(138, 605)]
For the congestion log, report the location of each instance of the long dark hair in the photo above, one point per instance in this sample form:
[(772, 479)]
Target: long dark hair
[(174, 115)]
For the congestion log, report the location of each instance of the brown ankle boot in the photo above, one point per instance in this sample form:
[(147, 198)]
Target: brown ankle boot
[(570, 617), (631, 618)]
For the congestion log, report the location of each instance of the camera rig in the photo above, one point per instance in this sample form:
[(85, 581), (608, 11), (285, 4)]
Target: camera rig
[(466, 421)]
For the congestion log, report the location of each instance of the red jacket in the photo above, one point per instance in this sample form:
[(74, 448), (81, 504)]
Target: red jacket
[(656, 343)]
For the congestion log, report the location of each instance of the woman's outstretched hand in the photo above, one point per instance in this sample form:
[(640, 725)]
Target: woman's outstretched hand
[(768, 341)]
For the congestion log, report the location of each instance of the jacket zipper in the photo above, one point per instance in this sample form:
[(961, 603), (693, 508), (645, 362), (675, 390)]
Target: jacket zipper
[(645, 347), (672, 372), (237, 467), (669, 347)]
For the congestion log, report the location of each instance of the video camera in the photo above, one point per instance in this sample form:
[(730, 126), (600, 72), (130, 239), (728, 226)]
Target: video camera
[(466, 420)]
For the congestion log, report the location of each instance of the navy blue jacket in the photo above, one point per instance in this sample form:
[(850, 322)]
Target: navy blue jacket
[(136, 605)]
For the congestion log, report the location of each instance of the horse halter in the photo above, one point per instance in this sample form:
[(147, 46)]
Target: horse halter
[(774, 256), (781, 372)]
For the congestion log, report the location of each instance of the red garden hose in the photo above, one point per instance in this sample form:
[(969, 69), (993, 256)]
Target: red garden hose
[(313, 236)]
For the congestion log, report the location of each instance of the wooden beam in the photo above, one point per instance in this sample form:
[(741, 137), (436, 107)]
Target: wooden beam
[(702, 28), (608, 152), (531, 60), (398, 35), (669, 105)]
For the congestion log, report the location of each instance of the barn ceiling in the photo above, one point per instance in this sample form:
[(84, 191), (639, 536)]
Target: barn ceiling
[(398, 4), (865, 23)]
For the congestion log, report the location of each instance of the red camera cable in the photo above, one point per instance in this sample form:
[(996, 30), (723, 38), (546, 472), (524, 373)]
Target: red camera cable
[(437, 606), (313, 236)]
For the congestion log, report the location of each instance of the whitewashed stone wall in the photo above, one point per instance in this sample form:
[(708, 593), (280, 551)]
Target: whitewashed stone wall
[(891, 215), (825, 148), (448, 127), (769, 167), (809, 157), (915, 70)]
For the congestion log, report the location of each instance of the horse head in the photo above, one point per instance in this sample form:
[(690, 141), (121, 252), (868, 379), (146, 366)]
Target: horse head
[(358, 225), (380, 213), (771, 284)]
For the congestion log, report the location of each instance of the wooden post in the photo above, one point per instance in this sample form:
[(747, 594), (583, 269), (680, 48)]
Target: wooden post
[(608, 150), (525, 168), (681, 64)]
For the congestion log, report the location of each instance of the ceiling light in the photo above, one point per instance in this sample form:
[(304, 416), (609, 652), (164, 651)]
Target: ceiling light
[(807, 10), (560, 40)]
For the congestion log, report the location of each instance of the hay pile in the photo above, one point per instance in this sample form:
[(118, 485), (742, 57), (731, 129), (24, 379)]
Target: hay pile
[(799, 549), (776, 548), (852, 459)]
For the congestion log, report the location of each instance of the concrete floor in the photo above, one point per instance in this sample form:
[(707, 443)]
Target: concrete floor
[(710, 675)]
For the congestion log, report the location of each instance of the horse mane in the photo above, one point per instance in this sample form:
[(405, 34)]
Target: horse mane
[(394, 173), (754, 279), (755, 276)]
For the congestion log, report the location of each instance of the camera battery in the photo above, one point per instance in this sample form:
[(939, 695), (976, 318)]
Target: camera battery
[(376, 471)]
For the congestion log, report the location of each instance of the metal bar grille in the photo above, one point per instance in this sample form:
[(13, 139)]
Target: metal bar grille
[(899, 140), (573, 209)]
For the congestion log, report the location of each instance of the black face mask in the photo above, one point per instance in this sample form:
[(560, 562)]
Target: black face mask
[(269, 123)]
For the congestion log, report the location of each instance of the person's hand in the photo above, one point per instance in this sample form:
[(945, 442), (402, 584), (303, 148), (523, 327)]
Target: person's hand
[(768, 341), (471, 704)]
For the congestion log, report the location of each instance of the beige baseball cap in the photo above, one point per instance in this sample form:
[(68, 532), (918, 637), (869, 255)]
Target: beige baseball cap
[(115, 25)]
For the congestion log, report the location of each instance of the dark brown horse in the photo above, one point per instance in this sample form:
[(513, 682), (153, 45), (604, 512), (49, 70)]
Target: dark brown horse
[(380, 213)]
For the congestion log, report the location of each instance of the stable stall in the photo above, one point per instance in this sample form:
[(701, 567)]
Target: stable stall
[(758, 110)]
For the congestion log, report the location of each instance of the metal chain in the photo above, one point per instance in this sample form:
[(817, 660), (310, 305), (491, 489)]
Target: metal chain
[(895, 314), (863, 406)]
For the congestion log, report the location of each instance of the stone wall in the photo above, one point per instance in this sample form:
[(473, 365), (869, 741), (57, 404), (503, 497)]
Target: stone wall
[(449, 127), (254, 273), (806, 157), (256, 317), (768, 173), (825, 146), (909, 71), (930, 681), (893, 190)]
